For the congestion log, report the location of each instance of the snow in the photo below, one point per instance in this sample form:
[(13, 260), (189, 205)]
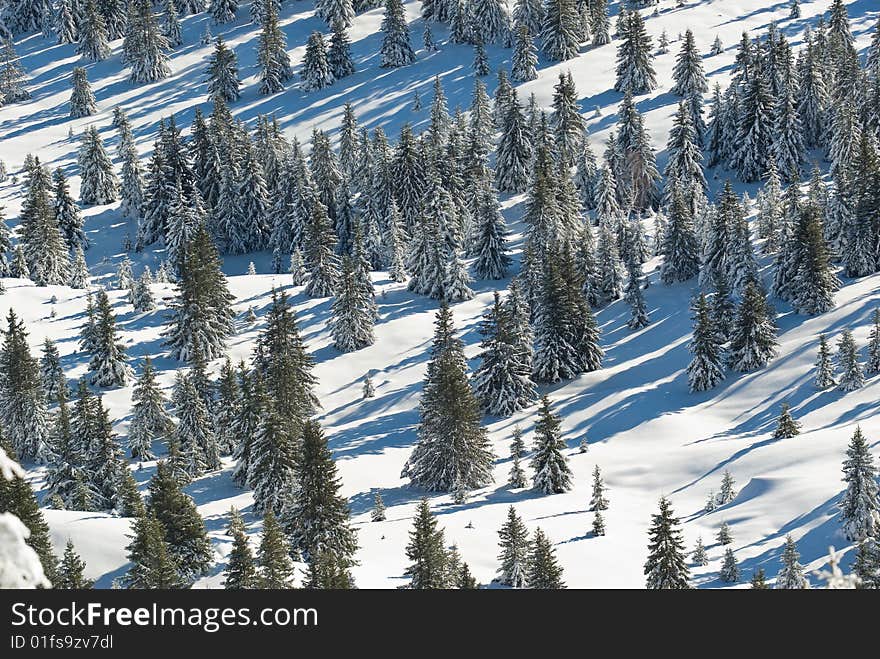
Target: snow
[(646, 432)]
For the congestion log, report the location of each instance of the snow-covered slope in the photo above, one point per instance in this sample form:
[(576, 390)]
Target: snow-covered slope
[(648, 434)]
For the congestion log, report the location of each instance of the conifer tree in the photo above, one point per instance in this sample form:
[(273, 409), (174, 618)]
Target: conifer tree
[(339, 55), (552, 474), (759, 580), (153, 565), (706, 369), (71, 570), (724, 536), (599, 24), (316, 72), (223, 81), (791, 576), (82, 100), (491, 248), (188, 543), (453, 449), (727, 492), (149, 419), (598, 500), (378, 512), (698, 555), (272, 54), (426, 551), (852, 376), (824, 369), (145, 48), (241, 570), (223, 11), (559, 30), (786, 426), (666, 567), (730, 571), (99, 184), (273, 556), (633, 296), (529, 13), (753, 340), (514, 151), (542, 571), (51, 372), (860, 507), (873, 365), (688, 72), (108, 366), (335, 11), (12, 76), (67, 214), (318, 521), (353, 310), (93, 38), (171, 27), (396, 48), (67, 22), (634, 69), (525, 56)]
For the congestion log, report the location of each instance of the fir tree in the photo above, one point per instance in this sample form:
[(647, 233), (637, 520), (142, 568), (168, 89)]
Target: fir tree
[(514, 151), (824, 369), (12, 76), (705, 370), (759, 581), (51, 372), (542, 570), (688, 72), (67, 22), (552, 474), (559, 30), (599, 24), (860, 507), (67, 214), (171, 28), (666, 567), (339, 55), (791, 576), (223, 81), (316, 72), (223, 11), (724, 536), (727, 492), (698, 555), (634, 69), (873, 365), (378, 512), (353, 310), (272, 54), (320, 260), (633, 296), (426, 552), (786, 426), (525, 56), (93, 38), (153, 565), (98, 181), (145, 48), (598, 500)]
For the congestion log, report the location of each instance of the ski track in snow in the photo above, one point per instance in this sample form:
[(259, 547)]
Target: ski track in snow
[(648, 434)]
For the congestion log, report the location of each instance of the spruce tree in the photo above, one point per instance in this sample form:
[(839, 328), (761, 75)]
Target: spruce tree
[(321, 262), (552, 475), (706, 369), (426, 551), (223, 81), (52, 375), (525, 56), (493, 259), (730, 571), (82, 100), (791, 576), (149, 419), (71, 570), (396, 48), (724, 536), (273, 557), (153, 565), (98, 184), (514, 150), (786, 426), (316, 72), (753, 341), (598, 500), (453, 449), (635, 71), (93, 37), (543, 571), (378, 512), (223, 11), (339, 55), (666, 567), (353, 310), (824, 368), (852, 376), (188, 543), (873, 365), (241, 570), (108, 366), (171, 27), (145, 48), (559, 30), (698, 555), (272, 54), (860, 507), (67, 214)]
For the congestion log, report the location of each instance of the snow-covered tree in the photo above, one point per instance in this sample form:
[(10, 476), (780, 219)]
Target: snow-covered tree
[(860, 506), (552, 475), (666, 567), (93, 37), (559, 29), (851, 374), (316, 72), (99, 184), (396, 48), (635, 71), (753, 341), (272, 52), (82, 100), (791, 576), (145, 48), (706, 369), (223, 81)]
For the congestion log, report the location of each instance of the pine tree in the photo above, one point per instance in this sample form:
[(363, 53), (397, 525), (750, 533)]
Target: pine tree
[(724, 536), (272, 54), (666, 567), (99, 184), (339, 56), (171, 28), (599, 24), (514, 151), (149, 419), (542, 570), (727, 492), (82, 100), (12, 77), (66, 22), (93, 38), (559, 30), (633, 296), (753, 340), (453, 449), (51, 372), (755, 126), (860, 507), (145, 46), (552, 474), (335, 11), (791, 576), (318, 521), (873, 365), (378, 512), (273, 557), (824, 369), (188, 543), (353, 310), (67, 214), (108, 366), (71, 570), (396, 48), (241, 570), (223, 81), (529, 13), (634, 69), (759, 581), (852, 377), (481, 61), (426, 551), (141, 295), (786, 426), (730, 571), (223, 11)]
